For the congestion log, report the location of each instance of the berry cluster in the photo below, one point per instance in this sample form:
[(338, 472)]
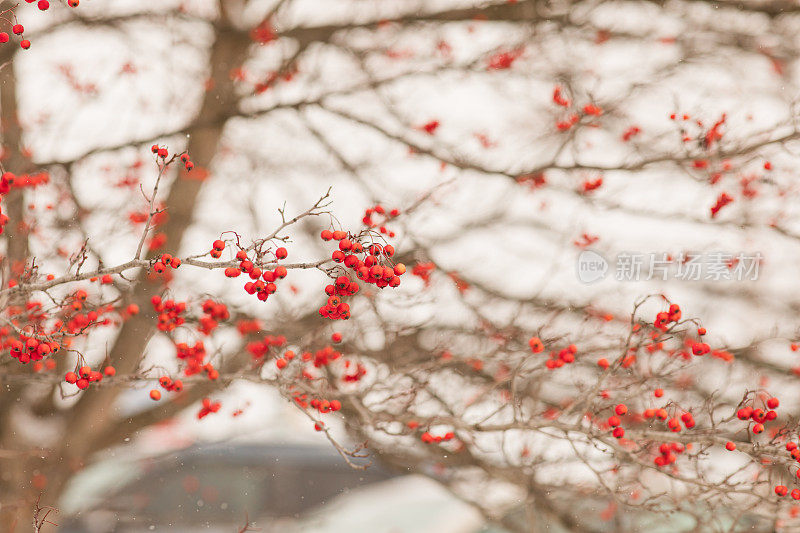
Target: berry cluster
[(265, 286), (374, 267), (160, 152), (208, 408), (84, 376), (164, 262), (216, 249), (588, 110), (168, 384), (615, 422), (665, 318), (258, 349), (674, 423), (360, 372), (27, 349), (423, 271), (17, 29), (194, 357), (562, 357), (325, 406), (504, 60), (668, 453), (386, 217), (722, 200), (758, 415), (281, 362), (169, 313), (427, 438), (9, 180), (334, 307), (187, 163), (213, 312)]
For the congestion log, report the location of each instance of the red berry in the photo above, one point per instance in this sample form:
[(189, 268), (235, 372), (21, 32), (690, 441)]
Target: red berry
[(25, 44), (773, 403), (17, 28), (155, 394), (621, 409), (281, 253), (109, 371), (232, 272), (336, 337), (44, 5), (536, 345), (730, 446)]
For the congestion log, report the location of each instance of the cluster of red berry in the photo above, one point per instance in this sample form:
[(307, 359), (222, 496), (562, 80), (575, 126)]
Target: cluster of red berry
[(213, 312), (665, 318), (86, 375), (589, 109), (194, 357), (615, 422), (263, 287), (375, 267), (208, 408), (381, 224), (9, 180), (562, 357), (334, 307), (165, 261), (160, 152), (258, 349), (781, 491), (27, 349), (758, 415), (427, 438), (352, 377), (187, 163), (423, 271), (325, 406), (668, 453), (17, 29), (168, 384), (169, 313)]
